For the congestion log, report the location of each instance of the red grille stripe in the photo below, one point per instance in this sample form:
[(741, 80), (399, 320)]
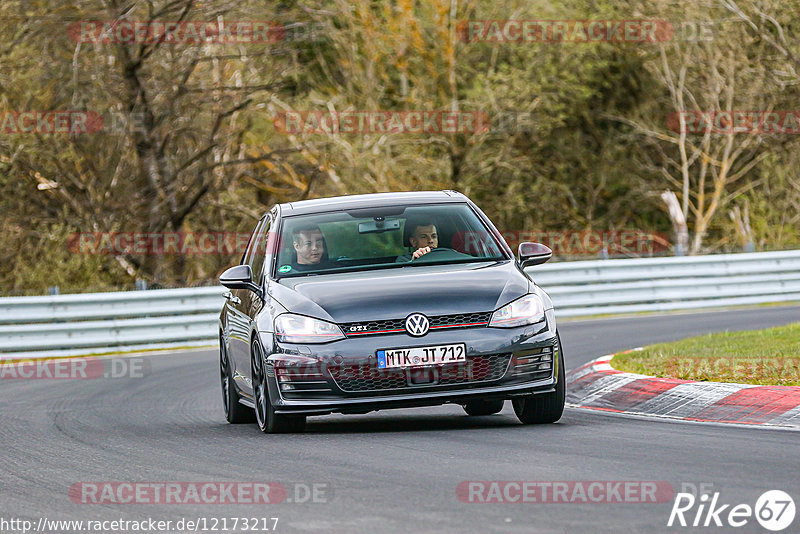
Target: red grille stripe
[(457, 325), (403, 329), (375, 332)]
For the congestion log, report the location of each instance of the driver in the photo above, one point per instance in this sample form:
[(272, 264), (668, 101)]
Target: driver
[(309, 244), (423, 238)]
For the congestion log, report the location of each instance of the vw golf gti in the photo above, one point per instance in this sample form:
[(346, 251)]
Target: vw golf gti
[(394, 300)]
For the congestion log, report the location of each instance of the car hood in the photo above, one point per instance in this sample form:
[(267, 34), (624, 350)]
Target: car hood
[(395, 293)]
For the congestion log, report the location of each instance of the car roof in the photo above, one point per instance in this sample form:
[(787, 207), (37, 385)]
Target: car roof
[(374, 200)]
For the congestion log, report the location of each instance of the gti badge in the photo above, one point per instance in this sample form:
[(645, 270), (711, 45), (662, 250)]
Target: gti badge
[(417, 324)]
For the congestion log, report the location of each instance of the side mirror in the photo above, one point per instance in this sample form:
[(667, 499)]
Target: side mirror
[(534, 254), (239, 277)]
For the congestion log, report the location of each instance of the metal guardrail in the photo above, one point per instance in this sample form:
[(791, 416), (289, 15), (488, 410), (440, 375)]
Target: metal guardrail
[(85, 306), (64, 325), (92, 323), (662, 284)]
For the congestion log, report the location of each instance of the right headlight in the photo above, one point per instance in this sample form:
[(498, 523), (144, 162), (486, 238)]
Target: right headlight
[(292, 328), (525, 310)]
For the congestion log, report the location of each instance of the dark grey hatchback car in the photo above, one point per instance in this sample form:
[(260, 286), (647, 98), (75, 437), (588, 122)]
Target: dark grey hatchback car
[(394, 300)]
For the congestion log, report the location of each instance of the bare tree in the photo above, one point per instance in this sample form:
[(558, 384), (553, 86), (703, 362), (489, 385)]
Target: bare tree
[(704, 156)]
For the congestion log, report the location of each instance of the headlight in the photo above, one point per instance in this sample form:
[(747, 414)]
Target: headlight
[(299, 329), (525, 310)]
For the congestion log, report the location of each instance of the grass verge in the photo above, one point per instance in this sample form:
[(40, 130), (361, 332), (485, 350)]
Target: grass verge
[(764, 357)]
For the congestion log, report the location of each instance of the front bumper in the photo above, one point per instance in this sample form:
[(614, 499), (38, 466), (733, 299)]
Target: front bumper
[(342, 376)]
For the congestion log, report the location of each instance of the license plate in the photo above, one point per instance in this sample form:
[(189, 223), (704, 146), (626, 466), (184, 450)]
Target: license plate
[(415, 356)]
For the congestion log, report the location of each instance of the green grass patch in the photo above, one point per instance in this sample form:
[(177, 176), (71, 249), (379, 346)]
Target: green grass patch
[(764, 357)]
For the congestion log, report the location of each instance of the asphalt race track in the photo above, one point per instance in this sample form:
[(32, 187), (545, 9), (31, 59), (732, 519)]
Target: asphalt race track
[(393, 471)]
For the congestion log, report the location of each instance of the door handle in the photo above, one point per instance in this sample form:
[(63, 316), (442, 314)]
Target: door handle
[(231, 297)]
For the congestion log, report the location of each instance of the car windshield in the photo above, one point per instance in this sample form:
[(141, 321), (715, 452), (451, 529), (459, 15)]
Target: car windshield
[(391, 237)]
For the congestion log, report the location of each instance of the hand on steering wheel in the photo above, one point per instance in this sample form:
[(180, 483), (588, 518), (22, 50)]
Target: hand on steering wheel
[(426, 250)]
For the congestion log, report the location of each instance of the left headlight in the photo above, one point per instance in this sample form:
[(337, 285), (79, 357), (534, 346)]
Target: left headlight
[(525, 310), (292, 328)]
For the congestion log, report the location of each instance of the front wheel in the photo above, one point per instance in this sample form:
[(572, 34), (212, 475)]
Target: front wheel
[(547, 407), (268, 421)]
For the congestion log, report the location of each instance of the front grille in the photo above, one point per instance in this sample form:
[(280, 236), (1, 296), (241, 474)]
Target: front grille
[(363, 378), (394, 326), (461, 320), (373, 327)]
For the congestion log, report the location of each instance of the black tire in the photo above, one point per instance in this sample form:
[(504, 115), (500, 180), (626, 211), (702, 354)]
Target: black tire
[(268, 421), (484, 407), (235, 412), (548, 407)]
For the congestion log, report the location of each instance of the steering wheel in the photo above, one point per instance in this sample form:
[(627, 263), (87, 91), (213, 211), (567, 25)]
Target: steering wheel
[(439, 249)]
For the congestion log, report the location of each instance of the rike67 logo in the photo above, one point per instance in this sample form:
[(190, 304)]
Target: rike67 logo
[(774, 510)]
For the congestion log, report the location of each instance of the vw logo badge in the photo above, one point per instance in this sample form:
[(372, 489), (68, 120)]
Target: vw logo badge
[(417, 324)]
